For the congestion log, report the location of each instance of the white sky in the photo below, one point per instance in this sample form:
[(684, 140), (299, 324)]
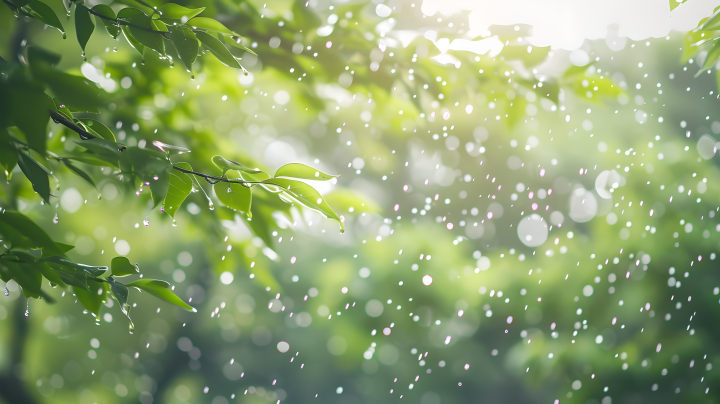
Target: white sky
[(566, 24)]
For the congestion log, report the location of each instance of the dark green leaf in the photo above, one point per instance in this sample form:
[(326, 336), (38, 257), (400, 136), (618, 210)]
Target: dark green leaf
[(121, 266), (161, 290), (38, 55), (23, 232), (36, 174), (91, 270), (8, 154), (104, 150), (92, 298), (29, 112), (47, 15), (218, 49), (63, 248), (73, 277), (210, 24), (77, 93), (132, 41), (297, 170), (82, 174), (141, 28), (28, 276), (120, 292), (100, 129), (177, 12), (84, 26), (233, 195), (109, 20), (187, 46), (307, 196), (179, 189)]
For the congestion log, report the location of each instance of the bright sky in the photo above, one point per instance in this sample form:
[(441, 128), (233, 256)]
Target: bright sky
[(566, 24)]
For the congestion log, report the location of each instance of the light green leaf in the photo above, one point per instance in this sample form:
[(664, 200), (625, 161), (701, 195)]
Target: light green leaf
[(210, 24), (84, 26), (110, 25), (179, 189), (302, 171), (225, 165), (161, 290), (177, 12), (218, 49), (307, 196), (233, 195), (711, 58), (100, 129), (121, 266)]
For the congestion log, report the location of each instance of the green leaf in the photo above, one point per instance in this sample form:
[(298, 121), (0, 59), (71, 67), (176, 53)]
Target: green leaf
[(76, 92), (28, 276), (307, 196), (23, 232), (92, 298), (91, 270), (103, 149), (47, 15), (229, 40), (233, 195), (675, 3), (51, 274), (225, 165), (84, 26), (177, 12), (218, 49), (8, 154), (38, 55), (179, 189), (82, 174), (120, 292), (121, 266), (161, 290), (159, 186), (108, 21), (210, 24), (302, 171), (100, 129), (711, 58), (73, 277), (141, 28), (36, 174), (132, 41), (63, 248), (28, 110), (187, 46)]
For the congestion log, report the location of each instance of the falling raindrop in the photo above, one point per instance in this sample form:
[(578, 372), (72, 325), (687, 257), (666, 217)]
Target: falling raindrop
[(146, 222), (27, 309), (6, 292), (56, 219)]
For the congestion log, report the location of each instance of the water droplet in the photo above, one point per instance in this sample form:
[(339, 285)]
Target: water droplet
[(146, 222), (212, 207), (56, 219), (27, 309), (6, 292), (115, 49)]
